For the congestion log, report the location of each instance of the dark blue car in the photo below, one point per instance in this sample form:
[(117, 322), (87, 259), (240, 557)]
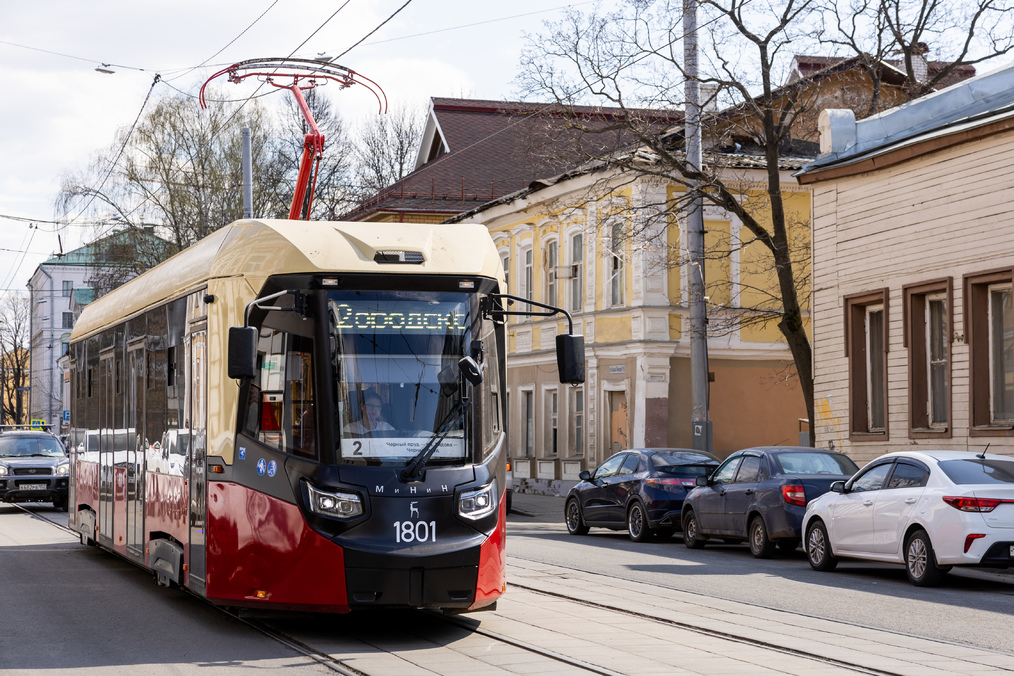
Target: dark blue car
[(759, 495), (641, 490)]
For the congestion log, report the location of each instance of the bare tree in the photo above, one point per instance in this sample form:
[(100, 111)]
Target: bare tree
[(180, 170), (927, 43), (14, 357), (385, 148), (335, 191), (633, 58)]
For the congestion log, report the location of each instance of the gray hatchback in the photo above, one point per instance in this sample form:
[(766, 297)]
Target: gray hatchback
[(33, 468)]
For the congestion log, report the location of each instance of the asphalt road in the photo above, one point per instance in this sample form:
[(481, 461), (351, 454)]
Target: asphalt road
[(971, 607), (85, 610)]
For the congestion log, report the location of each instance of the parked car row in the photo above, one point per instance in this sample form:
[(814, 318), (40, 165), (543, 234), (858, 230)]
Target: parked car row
[(928, 510)]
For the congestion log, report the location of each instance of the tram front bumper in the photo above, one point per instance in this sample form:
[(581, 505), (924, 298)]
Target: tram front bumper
[(437, 581)]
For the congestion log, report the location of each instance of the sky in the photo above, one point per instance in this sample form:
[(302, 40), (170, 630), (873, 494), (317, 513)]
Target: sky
[(57, 111)]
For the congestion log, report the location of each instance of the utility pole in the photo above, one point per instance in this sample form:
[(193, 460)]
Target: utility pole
[(700, 422), (247, 176)]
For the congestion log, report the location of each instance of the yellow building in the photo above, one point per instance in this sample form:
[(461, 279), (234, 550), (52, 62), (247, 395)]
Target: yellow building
[(583, 243)]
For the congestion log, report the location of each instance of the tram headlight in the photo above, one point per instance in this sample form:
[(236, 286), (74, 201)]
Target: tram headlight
[(338, 505), (478, 503)]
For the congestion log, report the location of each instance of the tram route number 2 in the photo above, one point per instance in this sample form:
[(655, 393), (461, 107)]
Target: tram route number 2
[(415, 531)]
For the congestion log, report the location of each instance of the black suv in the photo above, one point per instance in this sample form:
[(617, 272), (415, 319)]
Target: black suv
[(34, 467)]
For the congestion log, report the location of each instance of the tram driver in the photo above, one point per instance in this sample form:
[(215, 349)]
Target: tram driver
[(372, 418)]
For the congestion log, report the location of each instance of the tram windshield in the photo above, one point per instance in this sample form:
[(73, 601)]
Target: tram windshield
[(394, 361)]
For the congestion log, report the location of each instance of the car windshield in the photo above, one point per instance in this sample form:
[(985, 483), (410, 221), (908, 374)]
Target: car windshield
[(30, 447), (979, 471), (683, 464), (811, 462)]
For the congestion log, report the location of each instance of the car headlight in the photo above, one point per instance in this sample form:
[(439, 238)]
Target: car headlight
[(337, 505), (3, 470), (478, 503), (63, 470)]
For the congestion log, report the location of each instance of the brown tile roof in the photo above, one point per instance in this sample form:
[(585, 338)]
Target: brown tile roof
[(495, 148), (808, 65)]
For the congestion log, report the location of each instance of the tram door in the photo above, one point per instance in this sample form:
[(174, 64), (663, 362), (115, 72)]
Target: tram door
[(136, 447), (107, 429), (198, 413)]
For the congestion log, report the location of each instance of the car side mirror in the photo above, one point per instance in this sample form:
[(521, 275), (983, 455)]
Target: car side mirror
[(701, 481), (585, 475), (838, 487), (243, 352)]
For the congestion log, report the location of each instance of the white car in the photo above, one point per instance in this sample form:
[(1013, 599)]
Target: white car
[(929, 510)]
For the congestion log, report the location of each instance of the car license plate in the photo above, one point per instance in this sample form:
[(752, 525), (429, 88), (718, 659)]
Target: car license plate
[(32, 487)]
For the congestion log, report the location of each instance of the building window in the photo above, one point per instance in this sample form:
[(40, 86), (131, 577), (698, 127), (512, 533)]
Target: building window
[(614, 259), (866, 348), (928, 333), (68, 289), (526, 276), (577, 421), (577, 272), (989, 332), (528, 409), (506, 260), (1001, 354), (552, 260), (68, 320), (552, 421)]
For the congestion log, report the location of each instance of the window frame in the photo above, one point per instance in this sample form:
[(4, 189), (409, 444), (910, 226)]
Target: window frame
[(551, 282), (577, 292), (857, 310), (526, 279), (915, 332), (577, 420), (977, 330), (616, 268)]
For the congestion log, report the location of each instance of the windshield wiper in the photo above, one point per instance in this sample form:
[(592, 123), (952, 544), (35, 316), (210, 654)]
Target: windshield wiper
[(418, 462)]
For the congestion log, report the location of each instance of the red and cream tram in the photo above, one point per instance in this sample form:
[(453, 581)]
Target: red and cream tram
[(303, 415)]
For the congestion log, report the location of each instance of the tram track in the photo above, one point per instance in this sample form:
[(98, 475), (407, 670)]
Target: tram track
[(686, 626), (718, 597), (336, 661)]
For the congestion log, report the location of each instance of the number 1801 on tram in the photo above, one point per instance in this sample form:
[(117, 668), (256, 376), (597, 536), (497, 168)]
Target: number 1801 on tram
[(304, 415)]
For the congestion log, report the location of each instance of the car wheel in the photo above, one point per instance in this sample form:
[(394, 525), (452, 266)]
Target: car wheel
[(920, 562), (691, 533), (818, 548), (761, 546), (637, 523), (788, 545), (60, 504), (575, 525), (510, 496)]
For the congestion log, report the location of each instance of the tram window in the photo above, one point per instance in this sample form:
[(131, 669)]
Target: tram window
[(490, 391), (281, 409)]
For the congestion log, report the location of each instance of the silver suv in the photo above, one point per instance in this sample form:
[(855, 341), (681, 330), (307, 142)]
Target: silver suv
[(34, 467)]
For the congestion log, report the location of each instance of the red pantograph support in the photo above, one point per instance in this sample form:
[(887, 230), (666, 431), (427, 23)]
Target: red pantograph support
[(305, 74)]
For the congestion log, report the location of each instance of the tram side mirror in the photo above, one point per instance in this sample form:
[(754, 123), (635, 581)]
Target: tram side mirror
[(570, 358), (242, 352), (470, 369)]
